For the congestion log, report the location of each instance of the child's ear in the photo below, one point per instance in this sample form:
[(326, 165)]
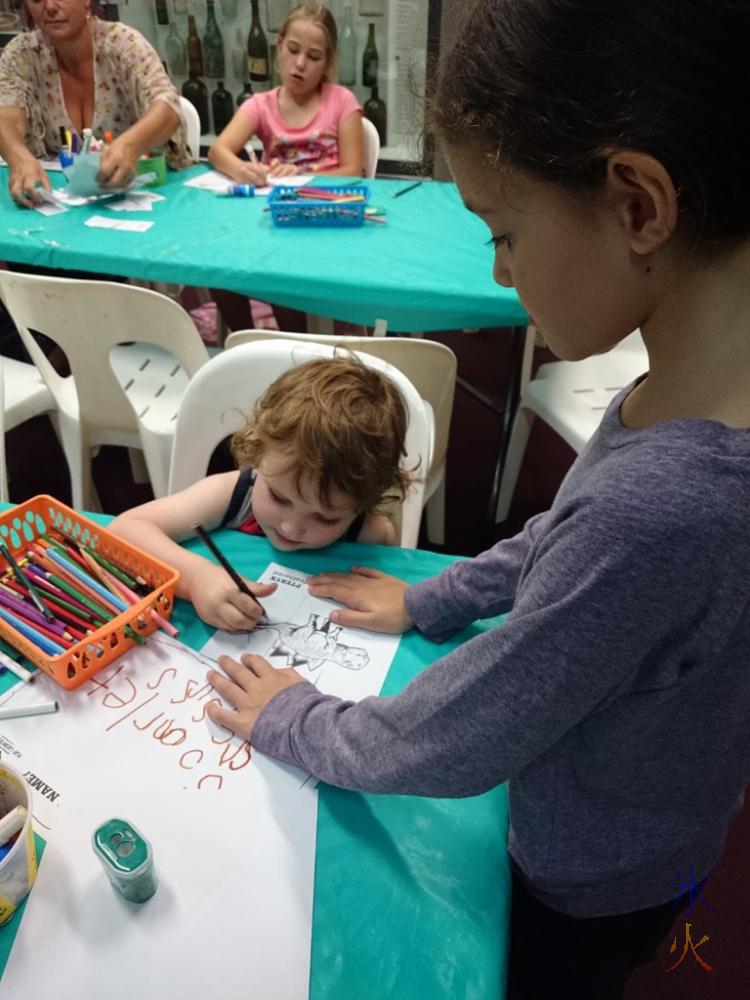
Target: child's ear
[(644, 197)]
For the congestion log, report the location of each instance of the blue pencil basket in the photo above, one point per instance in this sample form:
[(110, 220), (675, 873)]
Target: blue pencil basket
[(288, 209)]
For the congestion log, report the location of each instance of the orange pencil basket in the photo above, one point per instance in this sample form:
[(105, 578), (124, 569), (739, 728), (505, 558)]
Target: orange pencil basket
[(21, 526)]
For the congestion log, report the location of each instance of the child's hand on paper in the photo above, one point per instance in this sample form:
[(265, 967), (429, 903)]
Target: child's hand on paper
[(118, 164), (250, 173), (218, 602), (279, 169), (249, 685), (374, 599)]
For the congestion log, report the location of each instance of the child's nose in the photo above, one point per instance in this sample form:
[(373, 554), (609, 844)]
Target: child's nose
[(502, 275), (293, 527)]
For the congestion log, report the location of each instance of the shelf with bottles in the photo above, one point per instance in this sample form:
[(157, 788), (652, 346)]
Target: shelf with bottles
[(376, 46)]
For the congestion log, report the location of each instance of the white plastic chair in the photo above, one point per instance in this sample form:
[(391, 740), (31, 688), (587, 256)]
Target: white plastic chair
[(131, 352), (223, 392), (371, 147), (430, 367), (570, 396), (192, 123), (23, 395)]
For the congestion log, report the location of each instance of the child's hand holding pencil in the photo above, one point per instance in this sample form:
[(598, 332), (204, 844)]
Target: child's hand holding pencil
[(221, 596)]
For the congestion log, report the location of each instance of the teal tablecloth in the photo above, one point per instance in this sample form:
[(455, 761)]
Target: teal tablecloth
[(427, 269), (411, 894)]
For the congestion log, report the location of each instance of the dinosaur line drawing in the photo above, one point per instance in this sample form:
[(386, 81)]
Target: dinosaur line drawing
[(313, 644)]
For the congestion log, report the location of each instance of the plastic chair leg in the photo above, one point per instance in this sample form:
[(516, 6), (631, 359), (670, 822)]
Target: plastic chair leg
[(157, 452), (519, 438)]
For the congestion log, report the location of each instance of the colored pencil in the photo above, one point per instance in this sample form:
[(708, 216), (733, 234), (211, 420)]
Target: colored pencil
[(88, 581), (224, 562), (130, 595), (45, 644), (411, 187), (24, 580), (31, 615)]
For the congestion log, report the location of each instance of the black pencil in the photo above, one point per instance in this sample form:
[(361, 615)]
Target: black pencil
[(409, 188), (27, 585), (224, 562)]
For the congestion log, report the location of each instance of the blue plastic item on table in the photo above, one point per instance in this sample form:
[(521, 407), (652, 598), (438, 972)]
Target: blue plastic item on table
[(289, 208)]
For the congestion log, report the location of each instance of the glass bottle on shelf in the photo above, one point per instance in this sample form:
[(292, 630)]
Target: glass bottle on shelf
[(174, 46), (229, 9), (194, 49), (372, 8), (247, 92), (257, 47), (222, 107), (370, 60), (195, 90), (347, 48), (162, 14), (213, 45), (239, 56), (376, 111)]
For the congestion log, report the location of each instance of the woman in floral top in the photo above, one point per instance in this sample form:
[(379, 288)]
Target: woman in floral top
[(72, 72)]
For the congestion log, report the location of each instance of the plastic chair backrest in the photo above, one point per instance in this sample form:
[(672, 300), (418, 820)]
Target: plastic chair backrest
[(371, 147), (87, 319), (192, 123), (219, 397), (429, 366)]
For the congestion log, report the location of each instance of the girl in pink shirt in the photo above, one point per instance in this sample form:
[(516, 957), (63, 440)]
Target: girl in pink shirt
[(307, 124)]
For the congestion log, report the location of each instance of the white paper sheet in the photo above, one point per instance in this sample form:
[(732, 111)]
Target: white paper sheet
[(127, 225), (349, 663), (135, 201), (214, 180), (231, 916), (233, 835)]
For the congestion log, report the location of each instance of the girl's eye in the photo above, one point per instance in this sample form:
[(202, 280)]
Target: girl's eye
[(499, 241), (329, 521), (277, 499)]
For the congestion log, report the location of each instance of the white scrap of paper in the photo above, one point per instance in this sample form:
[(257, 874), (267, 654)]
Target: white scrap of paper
[(135, 201), (126, 225), (213, 180)]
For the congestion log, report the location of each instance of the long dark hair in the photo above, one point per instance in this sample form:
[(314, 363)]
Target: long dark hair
[(549, 86)]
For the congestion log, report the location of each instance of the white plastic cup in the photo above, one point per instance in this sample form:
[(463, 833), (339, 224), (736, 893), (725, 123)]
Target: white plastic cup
[(18, 867)]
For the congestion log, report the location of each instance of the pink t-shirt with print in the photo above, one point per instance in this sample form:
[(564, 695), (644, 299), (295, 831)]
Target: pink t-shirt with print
[(312, 148)]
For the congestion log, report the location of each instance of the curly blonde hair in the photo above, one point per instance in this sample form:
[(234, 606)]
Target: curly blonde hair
[(342, 425)]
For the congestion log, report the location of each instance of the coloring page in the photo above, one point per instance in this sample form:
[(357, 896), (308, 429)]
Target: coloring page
[(350, 663)]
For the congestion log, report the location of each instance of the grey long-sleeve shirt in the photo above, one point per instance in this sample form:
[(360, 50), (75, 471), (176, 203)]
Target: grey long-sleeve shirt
[(615, 698)]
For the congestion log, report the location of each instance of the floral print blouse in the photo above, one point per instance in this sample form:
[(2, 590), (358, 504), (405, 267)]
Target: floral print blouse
[(128, 78)]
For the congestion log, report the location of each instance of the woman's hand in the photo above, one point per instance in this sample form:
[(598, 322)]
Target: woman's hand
[(218, 602), (279, 169), (118, 164), (249, 686), (25, 174), (375, 600), (249, 173)]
